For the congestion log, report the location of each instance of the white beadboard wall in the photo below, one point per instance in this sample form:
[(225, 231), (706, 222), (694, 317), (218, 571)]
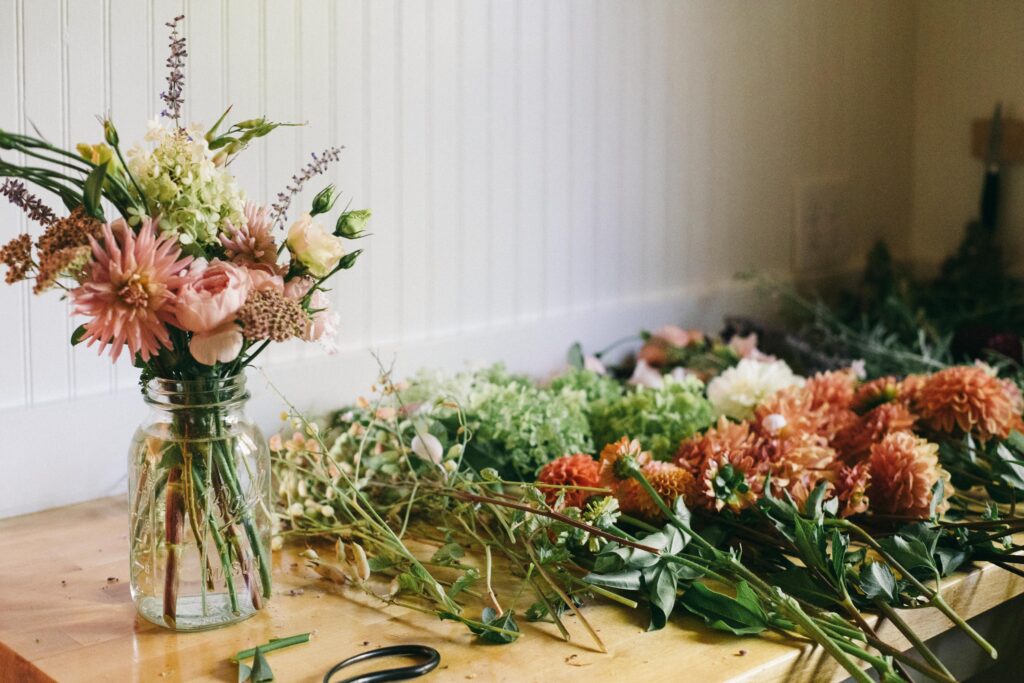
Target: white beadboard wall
[(540, 171)]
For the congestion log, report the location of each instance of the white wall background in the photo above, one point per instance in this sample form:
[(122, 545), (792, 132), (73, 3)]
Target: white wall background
[(968, 55), (540, 171)]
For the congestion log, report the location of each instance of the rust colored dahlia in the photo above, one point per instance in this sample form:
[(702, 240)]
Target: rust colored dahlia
[(851, 487), (731, 478), (628, 491), (669, 481), (832, 390), (786, 414), (904, 468), (578, 469), (725, 437), (967, 399), (130, 290), (854, 442), (800, 464), (874, 393)]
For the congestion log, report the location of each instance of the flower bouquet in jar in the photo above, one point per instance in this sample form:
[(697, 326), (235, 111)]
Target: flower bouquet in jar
[(193, 282)]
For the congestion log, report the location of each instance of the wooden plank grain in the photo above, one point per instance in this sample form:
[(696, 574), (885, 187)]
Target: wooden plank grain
[(66, 615)]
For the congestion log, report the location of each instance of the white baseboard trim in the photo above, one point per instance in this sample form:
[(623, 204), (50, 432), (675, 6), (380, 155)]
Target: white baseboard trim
[(65, 452)]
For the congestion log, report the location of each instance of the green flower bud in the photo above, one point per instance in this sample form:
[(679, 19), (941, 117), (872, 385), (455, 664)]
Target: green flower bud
[(250, 123), (351, 224), (110, 133), (323, 201)]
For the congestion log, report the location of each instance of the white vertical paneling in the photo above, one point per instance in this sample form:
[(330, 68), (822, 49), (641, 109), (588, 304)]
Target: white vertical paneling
[(443, 154), (45, 27), (583, 150), (525, 159), (14, 375), (505, 99), (476, 259), (557, 128), (381, 71), (416, 248), (345, 82), (530, 238)]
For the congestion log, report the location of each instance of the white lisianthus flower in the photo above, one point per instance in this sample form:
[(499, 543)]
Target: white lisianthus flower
[(737, 391), (314, 247), (428, 447)]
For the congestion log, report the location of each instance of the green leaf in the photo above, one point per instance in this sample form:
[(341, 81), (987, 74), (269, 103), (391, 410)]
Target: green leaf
[(93, 191), (911, 553), (448, 554), (810, 541), (661, 586), (797, 581), (629, 579), (78, 335), (506, 622), (261, 672), (722, 612), (575, 356), (468, 578), (878, 583), (840, 543), (244, 672)]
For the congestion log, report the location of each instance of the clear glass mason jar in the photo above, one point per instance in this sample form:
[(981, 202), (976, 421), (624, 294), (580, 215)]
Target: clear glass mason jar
[(199, 497)]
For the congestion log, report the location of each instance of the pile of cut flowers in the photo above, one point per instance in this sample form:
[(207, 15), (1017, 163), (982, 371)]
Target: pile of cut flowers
[(709, 480)]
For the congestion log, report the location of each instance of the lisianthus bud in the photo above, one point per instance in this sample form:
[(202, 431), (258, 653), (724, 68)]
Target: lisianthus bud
[(351, 224), (323, 201), (110, 133)]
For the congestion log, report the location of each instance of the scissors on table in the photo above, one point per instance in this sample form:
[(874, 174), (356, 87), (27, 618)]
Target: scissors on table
[(430, 656)]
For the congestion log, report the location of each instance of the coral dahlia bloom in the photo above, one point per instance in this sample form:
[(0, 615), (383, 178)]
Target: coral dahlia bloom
[(628, 491), (854, 441), (570, 470), (253, 244), (875, 393), (966, 399), (669, 481), (904, 468), (725, 437), (834, 389), (131, 290), (851, 487)]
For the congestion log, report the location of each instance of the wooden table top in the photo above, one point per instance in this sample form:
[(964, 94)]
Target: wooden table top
[(66, 614)]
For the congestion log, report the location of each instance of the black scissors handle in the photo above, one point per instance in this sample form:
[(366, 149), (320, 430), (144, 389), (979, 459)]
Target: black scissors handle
[(432, 657)]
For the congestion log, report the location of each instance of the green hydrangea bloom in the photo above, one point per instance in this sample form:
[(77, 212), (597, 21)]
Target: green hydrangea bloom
[(516, 426), (594, 386), (194, 199), (658, 418)]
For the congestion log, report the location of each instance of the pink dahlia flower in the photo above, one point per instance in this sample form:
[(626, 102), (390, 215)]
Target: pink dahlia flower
[(253, 243), (131, 290)]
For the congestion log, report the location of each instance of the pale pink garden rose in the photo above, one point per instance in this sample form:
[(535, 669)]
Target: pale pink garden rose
[(298, 287), (222, 344), (314, 247), (212, 296), (746, 347), (324, 325), (264, 278)]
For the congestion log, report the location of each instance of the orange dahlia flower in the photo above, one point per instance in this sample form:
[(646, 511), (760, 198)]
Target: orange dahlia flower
[(578, 469), (875, 393), (851, 487), (854, 442), (967, 399), (669, 481), (834, 390), (725, 437), (904, 468), (629, 492)]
